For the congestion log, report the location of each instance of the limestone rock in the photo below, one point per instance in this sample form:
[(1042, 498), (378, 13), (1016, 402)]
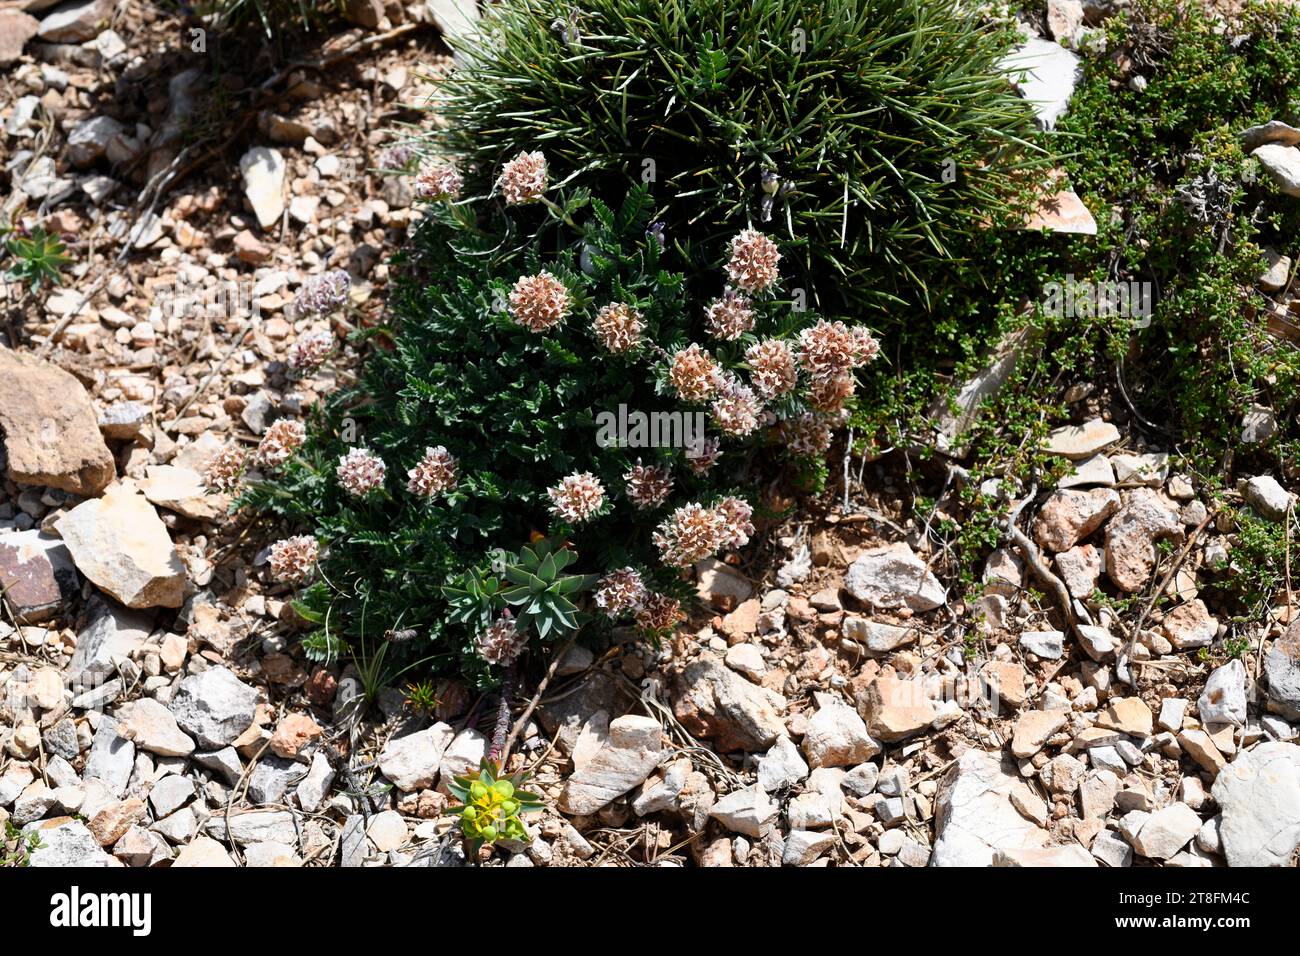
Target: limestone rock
[(718, 704), (153, 728), (1259, 794), (1189, 625), (182, 491), (1033, 728), (1131, 538), (263, 170), (67, 843), (837, 737), (411, 762), (895, 709), (121, 544), (16, 28), (50, 432), (781, 767), (215, 707), (1167, 831), (627, 757), (892, 577), (74, 22), (1081, 441), (1067, 517), (1282, 667), (1070, 854), (1223, 701), (975, 816), (1045, 74), (1282, 163), (748, 811)]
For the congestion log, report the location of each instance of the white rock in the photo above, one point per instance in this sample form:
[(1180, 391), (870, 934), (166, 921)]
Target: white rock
[(1045, 73), (975, 815), (1167, 831), (214, 707), (463, 756), (411, 762), (315, 787), (1049, 645), (836, 736), (1081, 441), (1223, 701), (387, 831), (1259, 794), (153, 728), (802, 847), (1266, 496), (877, 637), (892, 577), (782, 766), (1283, 164), (747, 811), (68, 844), (263, 170), (120, 543), (1069, 854), (632, 751), (111, 760)]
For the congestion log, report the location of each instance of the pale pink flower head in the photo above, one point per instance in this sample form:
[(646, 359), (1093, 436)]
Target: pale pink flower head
[(807, 436), (310, 351), (736, 410), (281, 442), (293, 559), (648, 485), (360, 472), (773, 370), (434, 474), (754, 260), (501, 642), (323, 293), (659, 613), (830, 394), (523, 179), (738, 515), (691, 533), (618, 327), (620, 592), (438, 182), (225, 469), (539, 302), (702, 458), (729, 316), (694, 374), (577, 497)]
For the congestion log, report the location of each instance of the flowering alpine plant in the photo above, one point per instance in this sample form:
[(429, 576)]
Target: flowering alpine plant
[(490, 482)]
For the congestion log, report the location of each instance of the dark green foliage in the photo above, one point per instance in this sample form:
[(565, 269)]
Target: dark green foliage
[(519, 410), (273, 18), (34, 258), (863, 112)]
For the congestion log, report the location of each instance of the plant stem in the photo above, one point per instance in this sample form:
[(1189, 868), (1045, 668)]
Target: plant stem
[(497, 755)]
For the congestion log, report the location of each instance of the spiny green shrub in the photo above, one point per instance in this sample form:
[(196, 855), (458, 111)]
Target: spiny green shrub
[(550, 374), (874, 137)]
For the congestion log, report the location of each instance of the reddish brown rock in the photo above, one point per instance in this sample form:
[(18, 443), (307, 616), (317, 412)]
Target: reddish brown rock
[(37, 576), (293, 735)]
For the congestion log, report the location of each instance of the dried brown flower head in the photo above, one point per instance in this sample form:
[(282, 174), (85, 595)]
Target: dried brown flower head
[(225, 469), (439, 181)]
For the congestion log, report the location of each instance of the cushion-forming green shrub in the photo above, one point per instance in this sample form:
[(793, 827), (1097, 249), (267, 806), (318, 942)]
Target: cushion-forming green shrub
[(872, 137)]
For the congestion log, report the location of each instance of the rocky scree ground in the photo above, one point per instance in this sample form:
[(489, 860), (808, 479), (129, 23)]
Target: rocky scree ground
[(841, 701)]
